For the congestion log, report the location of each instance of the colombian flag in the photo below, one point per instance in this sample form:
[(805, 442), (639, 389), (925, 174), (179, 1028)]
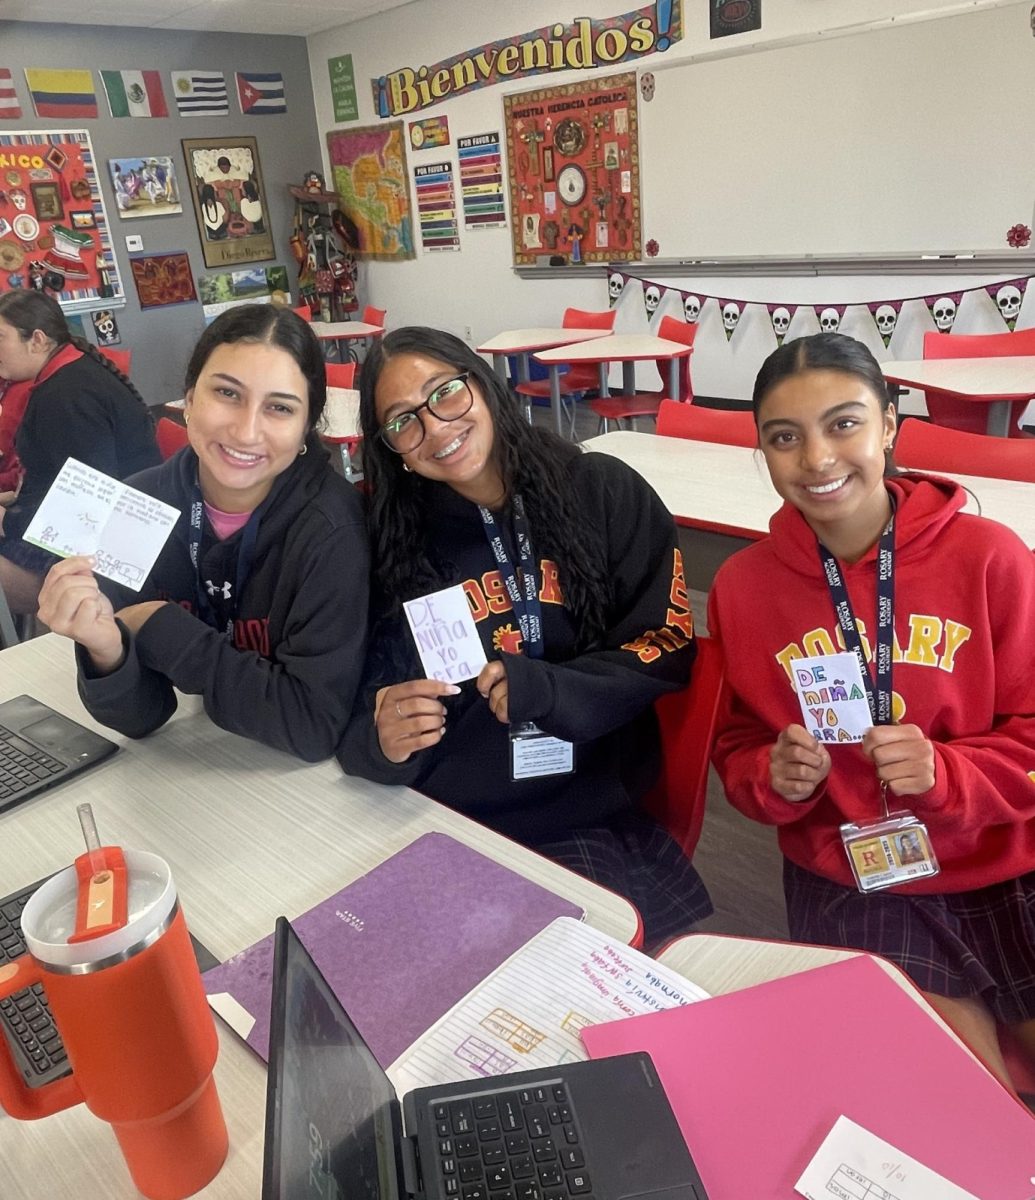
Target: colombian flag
[(61, 93)]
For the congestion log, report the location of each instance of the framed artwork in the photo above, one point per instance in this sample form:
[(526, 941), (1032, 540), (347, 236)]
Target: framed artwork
[(163, 279), (144, 187), (368, 171), (47, 199), (229, 200)]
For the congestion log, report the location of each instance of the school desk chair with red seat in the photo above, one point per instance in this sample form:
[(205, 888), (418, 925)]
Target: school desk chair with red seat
[(121, 358), (582, 377), (927, 447), (730, 427), (374, 316), (969, 415), (171, 436), (341, 375), (646, 404), (303, 311)]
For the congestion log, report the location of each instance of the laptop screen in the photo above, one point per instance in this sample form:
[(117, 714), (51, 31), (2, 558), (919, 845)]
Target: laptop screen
[(331, 1127)]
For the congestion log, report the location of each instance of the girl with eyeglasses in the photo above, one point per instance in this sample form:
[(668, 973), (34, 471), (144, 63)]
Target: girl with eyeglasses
[(570, 565)]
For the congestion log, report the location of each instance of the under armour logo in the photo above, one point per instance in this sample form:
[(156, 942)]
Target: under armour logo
[(212, 588)]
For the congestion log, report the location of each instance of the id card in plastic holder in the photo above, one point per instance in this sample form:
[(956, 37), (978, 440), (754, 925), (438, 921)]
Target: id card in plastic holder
[(888, 852), (534, 753)]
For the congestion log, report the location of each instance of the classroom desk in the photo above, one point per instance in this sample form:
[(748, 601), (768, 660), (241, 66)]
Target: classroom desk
[(340, 425), (997, 382), (250, 833), (345, 331), (626, 348), (523, 342)]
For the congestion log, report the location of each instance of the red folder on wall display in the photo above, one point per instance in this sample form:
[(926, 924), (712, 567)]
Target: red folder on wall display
[(757, 1079)]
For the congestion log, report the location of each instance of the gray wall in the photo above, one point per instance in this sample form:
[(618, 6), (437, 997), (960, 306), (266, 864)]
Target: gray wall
[(289, 145)]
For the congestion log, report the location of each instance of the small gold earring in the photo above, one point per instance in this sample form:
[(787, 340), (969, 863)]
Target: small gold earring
[(304, 450), (407, 468), (186, 418)]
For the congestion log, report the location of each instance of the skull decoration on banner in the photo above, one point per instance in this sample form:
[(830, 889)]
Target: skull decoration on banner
[(731, 310), (1008, 298), (651, 299), (691, 309), (944, 309), (829, 316), (885, 317), (780, 316), (615, 285)]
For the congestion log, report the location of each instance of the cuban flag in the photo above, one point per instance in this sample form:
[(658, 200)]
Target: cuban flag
[(261, 94), (10, 109), (61, 93), (200, 93)]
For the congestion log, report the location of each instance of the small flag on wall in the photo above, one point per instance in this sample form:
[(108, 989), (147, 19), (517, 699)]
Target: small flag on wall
[(261, 94), (61, 93), (200, 93), (134, 93), (10, 109)]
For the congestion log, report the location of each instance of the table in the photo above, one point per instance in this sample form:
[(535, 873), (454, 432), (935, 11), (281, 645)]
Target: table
[(997, 382), (626, 348), (250, 833), (345, 331), (340, 426), (522, 342)]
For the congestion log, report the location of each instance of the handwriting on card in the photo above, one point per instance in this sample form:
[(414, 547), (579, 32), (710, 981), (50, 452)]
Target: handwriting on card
[(832, 697), (446, 636)]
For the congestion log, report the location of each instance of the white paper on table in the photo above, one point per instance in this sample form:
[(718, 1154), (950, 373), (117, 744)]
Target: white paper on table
[(529, 1011), (447, 638), (855, 1164), (832, 696), (87, 512)]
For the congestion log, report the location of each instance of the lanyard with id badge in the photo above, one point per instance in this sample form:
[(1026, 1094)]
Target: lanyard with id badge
[(895, 847)]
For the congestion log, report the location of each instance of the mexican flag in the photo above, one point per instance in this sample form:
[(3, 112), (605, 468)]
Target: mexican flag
[(135, 93)]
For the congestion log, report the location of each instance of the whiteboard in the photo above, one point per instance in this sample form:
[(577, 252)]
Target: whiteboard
[(909, 138)]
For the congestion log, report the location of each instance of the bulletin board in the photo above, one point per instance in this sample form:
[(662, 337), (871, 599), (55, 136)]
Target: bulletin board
[(54, 231), (573, 166)]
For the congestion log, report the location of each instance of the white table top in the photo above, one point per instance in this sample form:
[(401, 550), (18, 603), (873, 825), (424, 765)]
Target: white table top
[(727, 488), (976, 379), (341, 415), (250, 833), (520, 341), (619, 347), (345, 329)]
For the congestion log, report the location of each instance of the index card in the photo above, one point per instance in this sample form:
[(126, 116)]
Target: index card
[(447, 638), (832, 696), (87, 512)]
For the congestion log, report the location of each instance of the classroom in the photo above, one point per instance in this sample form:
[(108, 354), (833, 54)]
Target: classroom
[(688, 683)]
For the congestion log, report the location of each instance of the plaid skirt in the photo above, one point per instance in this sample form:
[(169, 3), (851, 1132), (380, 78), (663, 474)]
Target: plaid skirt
[(638, 860), (979, 943)]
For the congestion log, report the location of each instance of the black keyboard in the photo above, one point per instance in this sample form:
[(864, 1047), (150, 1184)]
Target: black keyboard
[(25, 1016), (517, 1145), (22, 765)]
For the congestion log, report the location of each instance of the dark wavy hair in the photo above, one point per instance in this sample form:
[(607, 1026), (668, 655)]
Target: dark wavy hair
[(276, 326), (824, 352), (531, 461), (28, 310)]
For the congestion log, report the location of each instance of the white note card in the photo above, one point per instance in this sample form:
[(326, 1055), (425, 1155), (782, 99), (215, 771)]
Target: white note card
[(854, 1163), (833, 700), (86, 512), (447, 638)]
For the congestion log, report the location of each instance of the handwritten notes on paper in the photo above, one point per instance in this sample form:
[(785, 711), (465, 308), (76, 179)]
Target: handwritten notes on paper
[(86, 512), (854, 1164), (529, 1011), (833, 700), (447, 638)]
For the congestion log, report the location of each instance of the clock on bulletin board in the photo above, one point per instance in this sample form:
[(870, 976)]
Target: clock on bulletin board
[(571, 184)]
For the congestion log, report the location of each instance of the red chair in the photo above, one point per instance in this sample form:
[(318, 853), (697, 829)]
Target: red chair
[(171, 436), (582, 377), (939, 448), (967, 415), (645, 404), (341, 375), (729, 426), (121, 358), (303, 311), (374, 316), (687, 720)]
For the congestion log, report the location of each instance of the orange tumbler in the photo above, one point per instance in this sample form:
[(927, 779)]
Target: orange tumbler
[(141, 1040)]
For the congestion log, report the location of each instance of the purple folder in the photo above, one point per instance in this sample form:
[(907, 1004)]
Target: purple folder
[(402, 944)]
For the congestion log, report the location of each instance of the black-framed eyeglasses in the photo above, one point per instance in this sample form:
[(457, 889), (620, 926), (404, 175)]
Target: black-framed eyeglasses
[(448, 402)]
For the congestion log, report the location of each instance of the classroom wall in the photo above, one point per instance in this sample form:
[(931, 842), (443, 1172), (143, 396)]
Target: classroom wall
[(476, 293), (161, 338)]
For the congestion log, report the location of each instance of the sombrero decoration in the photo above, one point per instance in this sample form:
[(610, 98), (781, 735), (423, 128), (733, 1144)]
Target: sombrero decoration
[(65, 255), (11, 256)]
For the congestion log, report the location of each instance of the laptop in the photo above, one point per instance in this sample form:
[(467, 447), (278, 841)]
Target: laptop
[(599, 1130), (40, 748)]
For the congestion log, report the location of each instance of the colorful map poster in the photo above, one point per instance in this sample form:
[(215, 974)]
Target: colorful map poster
[(436, 203), (481, 180), (368, 168)]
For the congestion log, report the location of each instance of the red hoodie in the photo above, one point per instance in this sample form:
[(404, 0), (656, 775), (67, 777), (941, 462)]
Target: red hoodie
[(964, 672)]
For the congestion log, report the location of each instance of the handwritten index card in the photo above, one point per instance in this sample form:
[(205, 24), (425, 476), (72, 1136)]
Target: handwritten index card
[(447, 638), (86, 512), (833, 700)]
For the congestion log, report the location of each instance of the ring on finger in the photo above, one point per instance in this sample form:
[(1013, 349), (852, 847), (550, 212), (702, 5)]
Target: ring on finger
[(398, 710)]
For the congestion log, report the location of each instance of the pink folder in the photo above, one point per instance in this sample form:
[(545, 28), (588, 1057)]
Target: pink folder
[(758, 1077)]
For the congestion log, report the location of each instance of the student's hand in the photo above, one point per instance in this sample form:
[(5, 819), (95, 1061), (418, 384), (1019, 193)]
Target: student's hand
[(903, 756), (798, 764), (492, 684), (410, 716), (133, 616), (73, 605)]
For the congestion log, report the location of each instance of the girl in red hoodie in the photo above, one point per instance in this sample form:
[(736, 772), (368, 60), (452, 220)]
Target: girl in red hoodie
[(939, 606)]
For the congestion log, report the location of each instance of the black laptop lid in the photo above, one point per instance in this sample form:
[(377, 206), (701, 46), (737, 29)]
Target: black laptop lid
[(332, 1119)]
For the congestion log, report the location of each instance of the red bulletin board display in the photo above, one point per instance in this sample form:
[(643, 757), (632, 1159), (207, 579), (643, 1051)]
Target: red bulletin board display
[(574, 171), (54, 232)]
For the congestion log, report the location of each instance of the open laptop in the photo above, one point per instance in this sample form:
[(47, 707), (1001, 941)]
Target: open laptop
[(40, 748), (597, 1130)]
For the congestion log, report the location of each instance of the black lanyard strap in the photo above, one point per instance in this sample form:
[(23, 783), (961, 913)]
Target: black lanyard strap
[(523, 598)]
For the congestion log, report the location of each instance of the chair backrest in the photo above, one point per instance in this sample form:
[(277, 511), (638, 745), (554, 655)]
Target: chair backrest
[(687, 721), (579, 318), (303, 311), (939, 448), (171, 436), (964, 414), (675, 330), (728, 426), (121, 358), (374, 316), (341, 375)]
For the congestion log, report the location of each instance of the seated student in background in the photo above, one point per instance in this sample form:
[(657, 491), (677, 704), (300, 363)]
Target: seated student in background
[(451, 465), (269, 625), (63, 399), (948, 601)]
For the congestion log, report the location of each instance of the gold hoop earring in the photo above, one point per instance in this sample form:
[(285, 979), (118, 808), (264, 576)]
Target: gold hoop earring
[(186, 418)]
